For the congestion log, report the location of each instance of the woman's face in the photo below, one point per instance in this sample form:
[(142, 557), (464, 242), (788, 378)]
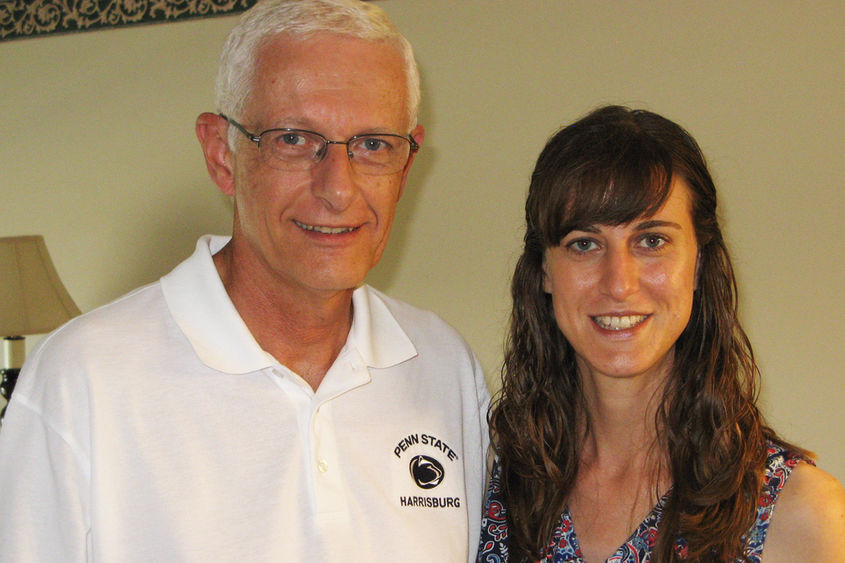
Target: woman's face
[(622, 295)]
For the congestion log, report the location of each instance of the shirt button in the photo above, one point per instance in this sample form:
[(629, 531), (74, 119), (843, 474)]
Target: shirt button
[(323, 466)]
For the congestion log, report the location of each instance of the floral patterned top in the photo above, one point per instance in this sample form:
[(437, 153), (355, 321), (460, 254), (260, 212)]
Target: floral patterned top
[(563, 546)]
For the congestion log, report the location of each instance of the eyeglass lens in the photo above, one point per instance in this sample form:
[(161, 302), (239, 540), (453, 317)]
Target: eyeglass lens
[(368, 154)]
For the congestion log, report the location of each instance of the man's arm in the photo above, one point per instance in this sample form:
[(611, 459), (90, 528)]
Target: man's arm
[(43, 490)]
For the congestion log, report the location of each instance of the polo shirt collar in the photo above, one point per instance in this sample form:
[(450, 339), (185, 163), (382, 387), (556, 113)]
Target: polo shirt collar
[(376, 333), (201, 307)]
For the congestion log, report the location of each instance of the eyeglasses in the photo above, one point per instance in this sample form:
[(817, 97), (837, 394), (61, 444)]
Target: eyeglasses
[(373, 154)]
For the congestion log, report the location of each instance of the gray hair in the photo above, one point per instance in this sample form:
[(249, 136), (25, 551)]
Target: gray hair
[(301, 18)]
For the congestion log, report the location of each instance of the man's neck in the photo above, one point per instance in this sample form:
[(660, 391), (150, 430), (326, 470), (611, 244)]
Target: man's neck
[(303, 329)]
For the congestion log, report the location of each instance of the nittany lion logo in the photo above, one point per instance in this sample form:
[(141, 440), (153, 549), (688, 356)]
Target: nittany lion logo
[(426, 471)]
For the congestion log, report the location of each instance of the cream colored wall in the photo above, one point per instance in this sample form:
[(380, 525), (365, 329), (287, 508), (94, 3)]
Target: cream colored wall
[(98, 155)]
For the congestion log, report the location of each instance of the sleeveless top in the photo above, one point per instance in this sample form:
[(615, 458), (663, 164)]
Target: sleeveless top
[(563, 546)]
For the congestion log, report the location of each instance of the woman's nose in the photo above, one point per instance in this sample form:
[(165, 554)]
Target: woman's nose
[(620, 274)]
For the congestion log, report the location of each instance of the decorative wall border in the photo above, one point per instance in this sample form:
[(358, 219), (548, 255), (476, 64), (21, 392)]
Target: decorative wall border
[(33, 18)]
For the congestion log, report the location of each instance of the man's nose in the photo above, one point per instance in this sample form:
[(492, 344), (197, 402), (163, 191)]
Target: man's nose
[(333, 179)]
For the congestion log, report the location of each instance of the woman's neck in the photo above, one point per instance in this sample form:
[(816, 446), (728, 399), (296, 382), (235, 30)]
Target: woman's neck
[(620, 415), (622, 462)]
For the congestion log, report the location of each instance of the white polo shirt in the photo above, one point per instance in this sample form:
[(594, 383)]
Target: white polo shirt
[(156, 429)]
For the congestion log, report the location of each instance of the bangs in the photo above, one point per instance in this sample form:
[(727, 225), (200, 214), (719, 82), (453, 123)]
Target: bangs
[(611, 181)]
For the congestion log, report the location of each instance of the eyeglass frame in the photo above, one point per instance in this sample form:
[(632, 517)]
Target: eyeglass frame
[(256, 138)]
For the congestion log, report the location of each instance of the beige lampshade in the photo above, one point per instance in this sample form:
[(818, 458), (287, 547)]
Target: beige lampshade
[(33, 299)]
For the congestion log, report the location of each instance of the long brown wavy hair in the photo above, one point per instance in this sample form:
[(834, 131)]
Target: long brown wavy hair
[(609, 168)]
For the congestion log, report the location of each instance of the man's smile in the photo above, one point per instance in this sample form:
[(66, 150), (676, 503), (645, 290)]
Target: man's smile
[(323, 229)]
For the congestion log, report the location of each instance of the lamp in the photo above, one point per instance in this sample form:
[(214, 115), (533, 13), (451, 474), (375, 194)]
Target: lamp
[(33, 300)]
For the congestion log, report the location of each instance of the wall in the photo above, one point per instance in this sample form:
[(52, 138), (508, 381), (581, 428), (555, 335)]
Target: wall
[(98, 155)]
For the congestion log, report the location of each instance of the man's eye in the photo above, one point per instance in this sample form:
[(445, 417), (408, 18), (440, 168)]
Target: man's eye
[(374, 144), (292, 139)]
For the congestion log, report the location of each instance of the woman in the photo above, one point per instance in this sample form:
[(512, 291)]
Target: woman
[(626, 429)]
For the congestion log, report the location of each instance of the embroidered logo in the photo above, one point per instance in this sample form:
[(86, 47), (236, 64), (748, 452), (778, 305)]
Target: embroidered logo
[(426, 471), (428, 458)]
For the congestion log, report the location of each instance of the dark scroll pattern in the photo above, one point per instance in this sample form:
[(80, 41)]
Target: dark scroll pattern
[(32, 18)]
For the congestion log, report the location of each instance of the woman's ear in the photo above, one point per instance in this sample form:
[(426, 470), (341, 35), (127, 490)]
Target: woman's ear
[(547, 284), (213, 134), (697, 270)]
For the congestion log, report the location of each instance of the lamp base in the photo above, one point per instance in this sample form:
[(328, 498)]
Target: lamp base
[(8, 378)]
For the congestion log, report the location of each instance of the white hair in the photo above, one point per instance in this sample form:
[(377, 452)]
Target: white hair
[(301, 18)]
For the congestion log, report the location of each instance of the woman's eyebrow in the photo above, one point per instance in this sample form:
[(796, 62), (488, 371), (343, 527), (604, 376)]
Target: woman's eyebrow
[(585, 229), (654, 223)]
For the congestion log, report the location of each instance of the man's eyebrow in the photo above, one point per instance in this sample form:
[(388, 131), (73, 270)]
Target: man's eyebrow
[(655, 223)]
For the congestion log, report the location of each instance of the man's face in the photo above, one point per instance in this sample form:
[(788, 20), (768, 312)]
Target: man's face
[(321, 229)]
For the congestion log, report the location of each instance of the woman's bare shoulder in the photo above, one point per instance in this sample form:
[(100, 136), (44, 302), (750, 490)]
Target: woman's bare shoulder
[(808, 523)]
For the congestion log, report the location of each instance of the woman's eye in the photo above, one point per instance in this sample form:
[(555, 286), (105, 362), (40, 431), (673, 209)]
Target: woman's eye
[(652, 242), (582, 245)]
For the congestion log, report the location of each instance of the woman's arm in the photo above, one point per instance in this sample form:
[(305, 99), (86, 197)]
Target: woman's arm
[(808, 522)]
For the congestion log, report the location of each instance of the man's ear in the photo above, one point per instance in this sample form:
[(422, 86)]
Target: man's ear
[(418, 135), (213, 132)]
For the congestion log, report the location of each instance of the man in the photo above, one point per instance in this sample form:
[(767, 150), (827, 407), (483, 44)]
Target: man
[(259, 403)]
